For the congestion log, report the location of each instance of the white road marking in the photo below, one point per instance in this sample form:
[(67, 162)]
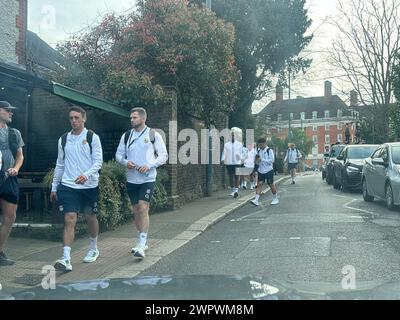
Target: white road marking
[(295, 238)]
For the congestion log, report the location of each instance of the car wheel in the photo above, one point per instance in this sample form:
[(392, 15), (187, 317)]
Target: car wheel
[(366, 196), (334, 182), (328, 179), (389, 197)]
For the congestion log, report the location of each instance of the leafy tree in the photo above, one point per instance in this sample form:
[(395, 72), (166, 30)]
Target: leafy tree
[(395, 107), (270, 35), (130, 58)]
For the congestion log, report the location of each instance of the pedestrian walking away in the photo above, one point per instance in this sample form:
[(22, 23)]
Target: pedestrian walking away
[(75, 184), (141, 150), (232, 157), (265, 159), (248, 169), (11, 160), (292, 156)]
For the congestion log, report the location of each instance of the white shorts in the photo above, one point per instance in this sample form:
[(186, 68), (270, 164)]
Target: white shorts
[(243, 171)]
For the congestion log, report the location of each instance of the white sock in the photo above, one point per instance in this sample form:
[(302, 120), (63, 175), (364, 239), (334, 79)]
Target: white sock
[(93, 243), (257, 197), (236, 189), (275, 196), (142, 238), (67, 253)]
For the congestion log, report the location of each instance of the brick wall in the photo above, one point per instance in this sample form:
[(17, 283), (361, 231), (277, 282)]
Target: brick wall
[(9, 33), (21, 23)]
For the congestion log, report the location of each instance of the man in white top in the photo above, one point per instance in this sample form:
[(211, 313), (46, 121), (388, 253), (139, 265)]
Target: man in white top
[(232, 157), (76, 184), (265, 159), (292, 157), (248, 170), (141, 150)]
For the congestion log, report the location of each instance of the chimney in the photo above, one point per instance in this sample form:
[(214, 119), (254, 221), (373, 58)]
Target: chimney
[(279, 93), (328, 89), (353, 98)]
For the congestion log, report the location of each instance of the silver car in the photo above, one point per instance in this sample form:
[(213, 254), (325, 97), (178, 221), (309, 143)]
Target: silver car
[(381, 175)]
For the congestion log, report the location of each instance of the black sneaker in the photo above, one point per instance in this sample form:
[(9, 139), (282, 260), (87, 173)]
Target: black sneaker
[(5, 261), (293, 182)]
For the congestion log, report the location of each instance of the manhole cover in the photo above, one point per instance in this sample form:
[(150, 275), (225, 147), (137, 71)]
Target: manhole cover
[(29, 279)]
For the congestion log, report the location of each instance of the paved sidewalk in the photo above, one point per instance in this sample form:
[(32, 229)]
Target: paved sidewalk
[(168, 231)]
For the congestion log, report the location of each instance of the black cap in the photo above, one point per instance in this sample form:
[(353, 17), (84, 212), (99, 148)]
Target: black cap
[(6, 105)]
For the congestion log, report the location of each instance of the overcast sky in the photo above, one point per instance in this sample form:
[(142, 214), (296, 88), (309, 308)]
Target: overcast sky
[(56, 20)]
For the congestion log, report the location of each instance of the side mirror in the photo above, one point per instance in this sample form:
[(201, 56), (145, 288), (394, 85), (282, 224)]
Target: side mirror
[(339, 157), (379, 162), (326, 155)]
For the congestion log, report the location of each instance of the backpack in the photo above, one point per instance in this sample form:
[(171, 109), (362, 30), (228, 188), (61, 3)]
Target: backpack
[(89, 139), (152, 135)]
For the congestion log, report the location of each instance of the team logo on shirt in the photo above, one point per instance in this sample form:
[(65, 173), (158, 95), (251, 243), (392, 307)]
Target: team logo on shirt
[(61, 208), (148, 191), (84, 142)]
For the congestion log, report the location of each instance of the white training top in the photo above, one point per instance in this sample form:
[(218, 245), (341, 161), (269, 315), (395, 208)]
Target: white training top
[(140, 151), (267, 160), (233, 153), (292, 155), (251, 155), (78, 160)]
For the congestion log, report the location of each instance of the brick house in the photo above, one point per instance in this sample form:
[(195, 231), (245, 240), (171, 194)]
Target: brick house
[(323, 119)]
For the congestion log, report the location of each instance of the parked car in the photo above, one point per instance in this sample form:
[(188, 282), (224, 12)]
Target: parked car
[(347, 168), (381, 175), (327, 168)]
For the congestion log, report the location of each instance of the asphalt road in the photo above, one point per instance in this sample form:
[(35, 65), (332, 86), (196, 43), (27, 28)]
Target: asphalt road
[(310, 236)]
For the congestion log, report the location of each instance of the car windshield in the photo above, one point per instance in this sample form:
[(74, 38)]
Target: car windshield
[(336, 150), (396, 155), (360, 152)]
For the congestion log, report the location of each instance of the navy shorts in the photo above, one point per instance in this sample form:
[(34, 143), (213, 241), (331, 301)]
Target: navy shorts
[(77, 200), (268, 177), (9, 190), (232, 169), (292, 166), (140, 192)]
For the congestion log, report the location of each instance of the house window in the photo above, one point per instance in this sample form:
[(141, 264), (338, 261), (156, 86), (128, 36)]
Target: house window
[(279, 129), (339, 127), (327, 127), (315, 150), (326, 114), (314, 128), (303, 116), (339, 113), (339, 137), (314, 115), (327, 138), (291, 116), (279, 117), (315, 138)]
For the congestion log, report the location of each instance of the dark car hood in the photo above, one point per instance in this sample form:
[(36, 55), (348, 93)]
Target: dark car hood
[(205, 287), (356, 162)]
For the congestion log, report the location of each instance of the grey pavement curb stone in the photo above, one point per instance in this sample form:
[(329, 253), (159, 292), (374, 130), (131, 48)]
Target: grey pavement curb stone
[(194, 230)]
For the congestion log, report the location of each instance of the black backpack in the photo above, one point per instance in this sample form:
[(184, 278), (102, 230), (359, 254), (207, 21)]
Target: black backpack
[(152, 135), (89, 139)]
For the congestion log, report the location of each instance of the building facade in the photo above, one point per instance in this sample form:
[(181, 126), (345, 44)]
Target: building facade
[(323, 119)]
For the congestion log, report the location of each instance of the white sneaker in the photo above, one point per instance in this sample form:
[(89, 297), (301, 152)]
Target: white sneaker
[(63, 264), (91, 256), (232, 194), (251, 187), (275, 201), (139, 251), (255, 202)]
